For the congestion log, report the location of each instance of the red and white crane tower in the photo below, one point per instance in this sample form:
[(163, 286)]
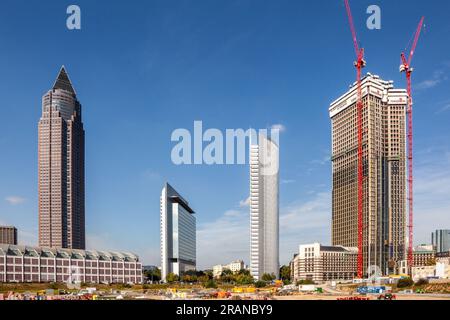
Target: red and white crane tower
[(407, 69), (359, 64)]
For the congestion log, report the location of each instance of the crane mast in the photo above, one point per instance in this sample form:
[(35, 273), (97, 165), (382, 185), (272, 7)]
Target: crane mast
[(407, 69), (359, 64)]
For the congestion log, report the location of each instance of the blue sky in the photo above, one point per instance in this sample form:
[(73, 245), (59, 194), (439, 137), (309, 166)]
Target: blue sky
[(145, 68)]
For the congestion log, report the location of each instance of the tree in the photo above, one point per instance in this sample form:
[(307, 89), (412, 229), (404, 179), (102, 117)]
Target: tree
[(243, 278), (153, 275), (260, 284), (172, 277), (285, 273), (431, 262), (405, 283), (203, 279), (268, 277), (245, 272), (306, 281), (210, 284), (422, 282)]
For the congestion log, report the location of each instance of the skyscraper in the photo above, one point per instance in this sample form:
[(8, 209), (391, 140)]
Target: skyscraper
[(384, 170), (441, 240), (61, 168), (178, 233), (264, 233)]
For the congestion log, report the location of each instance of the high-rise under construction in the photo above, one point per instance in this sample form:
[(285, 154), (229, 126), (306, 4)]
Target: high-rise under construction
[(384, 172)]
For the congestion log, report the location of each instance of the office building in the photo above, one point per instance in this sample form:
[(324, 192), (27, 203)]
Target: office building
[(33, 264), (178, 234), (8, 235), (264, 215), (61, 168), (320, 263), (384, 171), (441, 240)]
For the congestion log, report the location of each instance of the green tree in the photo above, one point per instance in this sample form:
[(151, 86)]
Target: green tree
[(203, 278), (172, 277), (243, 278), (210, 284), (285, 273), (260, 284), (268, 277), (153, 275)]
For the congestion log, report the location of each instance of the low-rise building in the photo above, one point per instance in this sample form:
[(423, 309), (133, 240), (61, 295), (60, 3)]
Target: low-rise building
[(424, 255), (234, 266), (324, 263), (33, 264), (8, 235)]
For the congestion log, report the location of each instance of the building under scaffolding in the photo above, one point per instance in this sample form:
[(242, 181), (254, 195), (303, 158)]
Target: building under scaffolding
[(384, 169)]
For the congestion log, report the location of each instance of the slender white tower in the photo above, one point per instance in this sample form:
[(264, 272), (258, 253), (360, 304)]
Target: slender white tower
[(264, 215)]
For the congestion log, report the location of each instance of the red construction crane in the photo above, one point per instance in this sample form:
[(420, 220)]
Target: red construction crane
[(407, 69), (359, 64)]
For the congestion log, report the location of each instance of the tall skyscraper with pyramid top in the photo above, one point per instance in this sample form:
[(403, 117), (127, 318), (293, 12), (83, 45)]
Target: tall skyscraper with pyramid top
[(61, 168)]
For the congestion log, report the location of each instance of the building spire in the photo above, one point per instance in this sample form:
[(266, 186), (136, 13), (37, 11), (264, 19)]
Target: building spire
[(63, 82)]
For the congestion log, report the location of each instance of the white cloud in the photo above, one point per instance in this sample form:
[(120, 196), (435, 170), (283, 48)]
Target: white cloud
[(15, 200), (27, 238), (305, 222), (224, 239), (323, 161), (437, 77), (279, 127), (100, 242), (244, 203), (227, 238), (287, 181)]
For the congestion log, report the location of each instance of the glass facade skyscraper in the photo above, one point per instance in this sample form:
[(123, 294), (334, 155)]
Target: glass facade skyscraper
[(178, 233)]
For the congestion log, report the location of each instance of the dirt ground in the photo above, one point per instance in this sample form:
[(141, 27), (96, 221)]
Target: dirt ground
[(335, 297)]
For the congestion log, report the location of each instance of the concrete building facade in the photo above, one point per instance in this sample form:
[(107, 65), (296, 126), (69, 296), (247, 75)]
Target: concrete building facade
[(61, 168), (8, 235), (264, 211), (233, 266), (384, 170), (324, 263), (178, 233), (32, 264)]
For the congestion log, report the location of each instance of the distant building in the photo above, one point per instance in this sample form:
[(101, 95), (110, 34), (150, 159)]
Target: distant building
[(234, 266), (178, 233), (440, 269), (8, 235), (324, 263), (61, 168), (441, 240), (264, 211), (33, 264), (423, 255), (384, 172)]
